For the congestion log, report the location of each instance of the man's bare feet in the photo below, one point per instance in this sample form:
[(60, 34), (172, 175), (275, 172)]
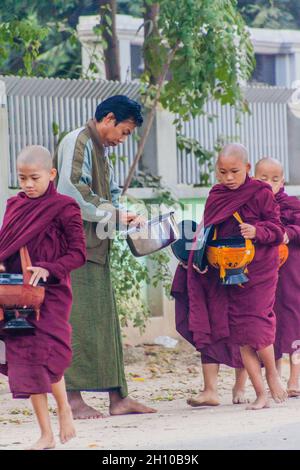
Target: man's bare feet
[(80, 410), (84, 411), (66, 425), (238, 396), (278, 392), (205, 398), (45, 442), (124, 406), (260, 403)]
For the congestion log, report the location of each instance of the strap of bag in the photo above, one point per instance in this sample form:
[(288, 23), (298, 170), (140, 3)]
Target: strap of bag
[(25, 263), (248, 242), (236, 215)]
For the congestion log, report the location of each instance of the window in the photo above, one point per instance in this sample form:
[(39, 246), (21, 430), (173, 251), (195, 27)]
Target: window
[(137, 62), (264, 71)]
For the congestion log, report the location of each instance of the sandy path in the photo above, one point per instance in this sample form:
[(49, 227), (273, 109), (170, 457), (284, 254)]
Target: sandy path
[(164, 379)]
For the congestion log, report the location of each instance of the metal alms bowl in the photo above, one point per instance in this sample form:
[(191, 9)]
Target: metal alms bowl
[(154, 235)]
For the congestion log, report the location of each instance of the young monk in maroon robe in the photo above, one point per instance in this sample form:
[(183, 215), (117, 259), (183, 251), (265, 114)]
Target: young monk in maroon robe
[(287, 302), (50, 225), (212, 355), (237, 315)]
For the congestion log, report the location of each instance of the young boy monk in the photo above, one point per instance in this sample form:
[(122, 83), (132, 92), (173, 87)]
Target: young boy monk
[(220, 352), (287, 302), (241, 315), (49, 224)]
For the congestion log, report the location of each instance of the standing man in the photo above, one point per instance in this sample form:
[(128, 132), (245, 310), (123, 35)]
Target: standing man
[(85, 173)]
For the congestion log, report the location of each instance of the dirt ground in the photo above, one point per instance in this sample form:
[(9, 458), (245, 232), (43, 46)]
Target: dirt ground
[(163, 378)]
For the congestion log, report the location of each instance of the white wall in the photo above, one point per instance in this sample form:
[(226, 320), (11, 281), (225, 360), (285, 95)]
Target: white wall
[(285, 44)]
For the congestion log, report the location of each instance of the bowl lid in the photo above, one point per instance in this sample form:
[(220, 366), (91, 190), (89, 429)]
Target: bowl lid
[(182, 247), (204, 238), (187, 231)]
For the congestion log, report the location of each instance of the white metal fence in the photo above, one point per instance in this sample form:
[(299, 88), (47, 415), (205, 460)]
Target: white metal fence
[(263, 131), (35, 105)]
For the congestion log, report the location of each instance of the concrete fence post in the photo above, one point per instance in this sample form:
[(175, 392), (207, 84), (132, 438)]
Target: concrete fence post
[(160, 154), (160, 159), (294, 148)]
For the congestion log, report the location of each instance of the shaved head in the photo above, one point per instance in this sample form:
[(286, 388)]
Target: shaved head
[(35, 155), (35, 170), (268, 163), (234, 150), (270, 171), (232, 166)]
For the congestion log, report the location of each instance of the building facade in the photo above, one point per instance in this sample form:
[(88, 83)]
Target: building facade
[(277, 52)]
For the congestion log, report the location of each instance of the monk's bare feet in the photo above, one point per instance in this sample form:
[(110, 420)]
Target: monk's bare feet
[(293, 393), (124, 406), (260, 403), (80, 410), (238, 396), (46, 442), (66, 424), (205, 398), (293, 389), (278, 392)]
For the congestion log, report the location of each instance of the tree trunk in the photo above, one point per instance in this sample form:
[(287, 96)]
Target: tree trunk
[(150, 119), (108, 11), (151, 42)]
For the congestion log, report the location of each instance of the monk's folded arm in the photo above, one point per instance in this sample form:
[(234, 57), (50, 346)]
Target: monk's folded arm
[(75, 256), (268, 233), (293, 232)]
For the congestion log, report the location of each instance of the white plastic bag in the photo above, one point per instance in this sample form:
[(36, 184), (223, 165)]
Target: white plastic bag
[(166, 341)]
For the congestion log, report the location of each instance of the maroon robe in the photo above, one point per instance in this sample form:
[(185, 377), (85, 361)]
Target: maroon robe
[(51, 227), (287, 302), (209, 314)]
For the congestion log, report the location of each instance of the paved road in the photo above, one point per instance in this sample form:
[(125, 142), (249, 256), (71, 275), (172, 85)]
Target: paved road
[(175, 427)]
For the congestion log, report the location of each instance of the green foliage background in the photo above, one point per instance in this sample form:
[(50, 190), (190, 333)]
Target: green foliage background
[(52, 24)]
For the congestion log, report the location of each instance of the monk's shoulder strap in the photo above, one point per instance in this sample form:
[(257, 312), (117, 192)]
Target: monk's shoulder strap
[(236, 215)]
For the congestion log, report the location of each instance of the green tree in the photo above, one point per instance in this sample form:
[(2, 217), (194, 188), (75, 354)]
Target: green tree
[(275, 14), (108, 11), (58, 54), (128, 7), (205, 48), (24, 37)]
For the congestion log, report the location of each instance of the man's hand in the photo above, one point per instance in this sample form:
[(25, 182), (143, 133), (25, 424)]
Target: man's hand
[(286, 239), (248, 231), (38, 273), (2, 268), (130, 218)]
